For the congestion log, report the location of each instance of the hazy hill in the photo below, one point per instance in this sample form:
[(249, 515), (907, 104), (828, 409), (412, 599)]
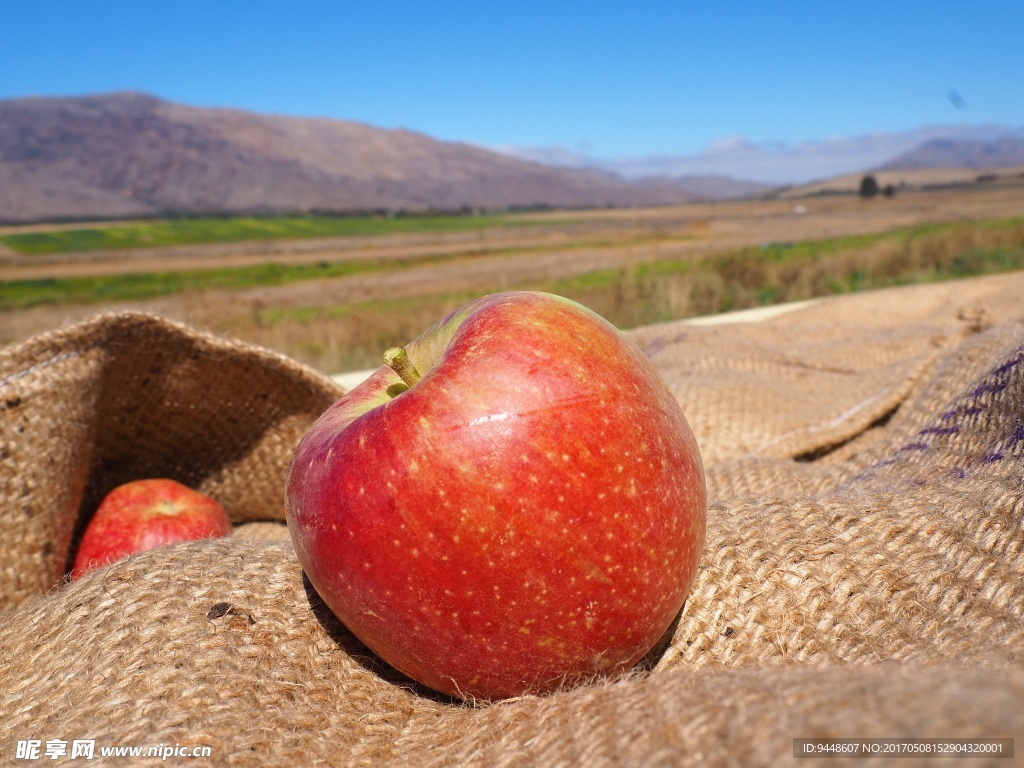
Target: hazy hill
[(131, 154), (1002, 152), (907, 179), (706, 187)]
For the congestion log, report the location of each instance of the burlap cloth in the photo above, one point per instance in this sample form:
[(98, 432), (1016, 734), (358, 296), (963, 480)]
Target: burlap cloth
[(862, 575)]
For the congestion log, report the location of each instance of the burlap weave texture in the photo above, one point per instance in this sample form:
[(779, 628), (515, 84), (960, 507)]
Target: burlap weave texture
[(863, 575)]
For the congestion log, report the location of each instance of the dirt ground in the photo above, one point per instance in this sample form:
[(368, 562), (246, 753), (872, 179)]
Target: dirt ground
[(556, 245)]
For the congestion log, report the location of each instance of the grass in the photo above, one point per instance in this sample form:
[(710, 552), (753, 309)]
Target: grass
[(104, 289), (777, 273), (19, 294), (238, 229), (351, 337)]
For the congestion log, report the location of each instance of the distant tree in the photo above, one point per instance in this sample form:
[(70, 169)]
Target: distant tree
[(888, 190), (868, 187)]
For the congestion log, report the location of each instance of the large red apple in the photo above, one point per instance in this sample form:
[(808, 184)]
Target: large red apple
[(528, 513), (144, 514)]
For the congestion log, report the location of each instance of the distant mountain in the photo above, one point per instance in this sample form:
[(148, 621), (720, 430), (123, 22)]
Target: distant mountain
[(126, 154), (1002, 152), (706, 187)]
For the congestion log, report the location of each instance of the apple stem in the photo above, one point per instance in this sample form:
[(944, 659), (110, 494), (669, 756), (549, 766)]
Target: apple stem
[(397, 359)]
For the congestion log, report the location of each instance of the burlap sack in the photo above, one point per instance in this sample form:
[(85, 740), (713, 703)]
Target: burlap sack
[(862, 575)]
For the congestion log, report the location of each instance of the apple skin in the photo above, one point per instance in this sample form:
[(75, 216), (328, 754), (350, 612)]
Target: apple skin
[(528, 515), (144, 514)]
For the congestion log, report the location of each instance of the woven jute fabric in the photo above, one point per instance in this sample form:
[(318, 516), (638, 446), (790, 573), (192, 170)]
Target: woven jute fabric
[(863, 574)]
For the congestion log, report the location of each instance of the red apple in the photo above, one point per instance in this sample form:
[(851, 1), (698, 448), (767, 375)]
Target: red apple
[(144, 514), (529, 513)]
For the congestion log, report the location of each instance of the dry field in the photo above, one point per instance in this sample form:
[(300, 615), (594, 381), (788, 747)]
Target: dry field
[(342, 323)]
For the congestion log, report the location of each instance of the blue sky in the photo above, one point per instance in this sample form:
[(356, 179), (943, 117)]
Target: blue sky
[(747, 88)]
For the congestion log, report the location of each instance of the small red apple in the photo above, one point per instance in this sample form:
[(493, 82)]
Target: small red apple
[(144, 514), (528, 513)]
